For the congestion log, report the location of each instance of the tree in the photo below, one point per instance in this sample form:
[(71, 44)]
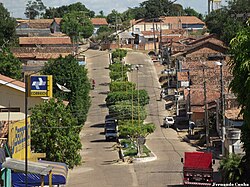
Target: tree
[(124, 111), (114, 97), (54, 131), (7, 27), (67, 71), (230, 167), (224, 21), (116, 86), (34, 9), (100, 15), (240, 85), (135, 130), (75, 23), (191, 12), (59, 12), (9, 65)]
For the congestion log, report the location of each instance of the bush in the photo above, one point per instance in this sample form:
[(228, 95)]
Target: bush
[(121, 86), (119, 53), (114, 97), (122, 112)]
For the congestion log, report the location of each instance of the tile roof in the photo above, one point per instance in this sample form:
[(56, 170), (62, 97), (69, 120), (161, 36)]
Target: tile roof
[(183, 20), (37, 23), (182, 76), (9, 81), (44, 40), (99, 21)]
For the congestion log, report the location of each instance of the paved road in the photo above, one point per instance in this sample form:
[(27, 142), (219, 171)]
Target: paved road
[(100, 167), (167, 169)]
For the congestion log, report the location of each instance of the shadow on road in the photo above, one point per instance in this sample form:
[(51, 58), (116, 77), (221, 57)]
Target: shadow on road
[(104, 93), (102, 105), (104, 84), (98, 125), (95, 141), (109, 162)]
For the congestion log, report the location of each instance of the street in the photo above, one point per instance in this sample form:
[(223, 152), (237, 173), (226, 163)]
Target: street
[(100, 166)]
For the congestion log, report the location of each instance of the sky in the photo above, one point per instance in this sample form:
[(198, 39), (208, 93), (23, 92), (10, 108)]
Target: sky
[(17, 7)]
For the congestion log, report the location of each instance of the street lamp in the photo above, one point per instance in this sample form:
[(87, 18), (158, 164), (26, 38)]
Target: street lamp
[(223, 130)]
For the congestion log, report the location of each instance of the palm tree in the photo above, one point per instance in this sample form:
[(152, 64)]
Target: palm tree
[(231, 168)]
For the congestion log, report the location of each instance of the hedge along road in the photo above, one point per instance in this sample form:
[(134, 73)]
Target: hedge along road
[(99, 167)]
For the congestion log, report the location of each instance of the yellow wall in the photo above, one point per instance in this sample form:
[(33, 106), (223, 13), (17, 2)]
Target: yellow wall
[(16, 139)]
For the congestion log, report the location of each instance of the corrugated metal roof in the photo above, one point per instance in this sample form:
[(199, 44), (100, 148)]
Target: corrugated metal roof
[(33, 167)]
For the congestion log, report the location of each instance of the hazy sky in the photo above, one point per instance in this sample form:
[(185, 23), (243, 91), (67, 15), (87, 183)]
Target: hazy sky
[(17, 7)]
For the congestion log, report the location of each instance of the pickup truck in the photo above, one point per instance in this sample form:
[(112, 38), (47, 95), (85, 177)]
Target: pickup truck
[(197, 169)]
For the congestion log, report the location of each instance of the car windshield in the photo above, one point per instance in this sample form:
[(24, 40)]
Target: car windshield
[(170, 119), (111, 131)]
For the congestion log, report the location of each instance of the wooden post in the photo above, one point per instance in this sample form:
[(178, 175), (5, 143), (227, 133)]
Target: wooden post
[(50, 178), (42, 180)]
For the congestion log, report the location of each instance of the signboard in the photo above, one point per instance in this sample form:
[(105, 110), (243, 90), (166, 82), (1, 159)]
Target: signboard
[(16, 139), (40, 86)]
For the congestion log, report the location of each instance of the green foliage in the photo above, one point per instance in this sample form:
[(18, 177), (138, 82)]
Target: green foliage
[(230, 167), (10, 66), (114, 97), (119, 54), (191, 12), (125, 111), (104, 33), (118, 71), (34, 9), (75, 23), (121, 86), (67, 71), (54, 131), (59, 12), (7, 27), (240, 85), (224, 22), (135, 130)]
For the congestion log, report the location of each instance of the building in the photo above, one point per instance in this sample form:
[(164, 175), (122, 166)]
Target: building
[(97, 23), (190, 23), (36, 27), (12, 105)]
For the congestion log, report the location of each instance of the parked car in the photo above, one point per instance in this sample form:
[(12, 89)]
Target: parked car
[(168, 121), (110, 118), (111, 134)]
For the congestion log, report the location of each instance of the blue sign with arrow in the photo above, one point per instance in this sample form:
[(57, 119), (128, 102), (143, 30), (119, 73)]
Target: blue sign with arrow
[(38, 83)]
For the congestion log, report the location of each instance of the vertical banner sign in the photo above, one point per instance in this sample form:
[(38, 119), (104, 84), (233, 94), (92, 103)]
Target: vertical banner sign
[(17, 139), (40, 86)]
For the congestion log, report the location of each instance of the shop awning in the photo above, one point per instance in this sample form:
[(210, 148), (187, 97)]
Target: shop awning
[(35, 171)]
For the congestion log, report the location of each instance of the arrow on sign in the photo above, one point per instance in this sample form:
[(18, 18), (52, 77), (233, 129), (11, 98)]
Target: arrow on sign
[(38, 83)]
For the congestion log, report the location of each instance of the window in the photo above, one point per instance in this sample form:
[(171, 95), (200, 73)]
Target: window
[(14, 109), (137, 29)]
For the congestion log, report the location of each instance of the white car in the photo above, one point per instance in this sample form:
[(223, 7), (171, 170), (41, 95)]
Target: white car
[(168, 121)]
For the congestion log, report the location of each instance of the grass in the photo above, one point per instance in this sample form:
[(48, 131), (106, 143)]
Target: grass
[(131, 149)]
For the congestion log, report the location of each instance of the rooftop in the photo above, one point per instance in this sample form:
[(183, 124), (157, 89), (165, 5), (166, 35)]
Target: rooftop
[(44, 40), (99, 21)]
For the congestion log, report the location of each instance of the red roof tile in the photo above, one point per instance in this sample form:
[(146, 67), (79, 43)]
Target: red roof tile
[(44, 40), (183, 20), (12, 81), (99, 21)]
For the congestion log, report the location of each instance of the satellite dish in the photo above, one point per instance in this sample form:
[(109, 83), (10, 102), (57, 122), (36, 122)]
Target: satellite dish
[(63, 88)]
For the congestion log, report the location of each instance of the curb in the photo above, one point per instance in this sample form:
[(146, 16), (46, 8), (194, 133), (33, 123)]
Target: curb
[(145, 159)]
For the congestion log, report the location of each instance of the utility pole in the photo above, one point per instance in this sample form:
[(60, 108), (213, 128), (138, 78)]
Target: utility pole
[(177, 92), (189, 97), (26, 129), (222, 109), (205, 104), (154, 35)]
